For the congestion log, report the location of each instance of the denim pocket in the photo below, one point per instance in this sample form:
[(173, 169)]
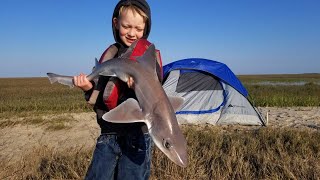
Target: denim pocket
[(139, 143), (103, 139), (138, 148), (105, 144)]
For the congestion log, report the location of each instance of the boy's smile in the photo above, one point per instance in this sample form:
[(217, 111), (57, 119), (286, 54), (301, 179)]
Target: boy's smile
[(130, 25)]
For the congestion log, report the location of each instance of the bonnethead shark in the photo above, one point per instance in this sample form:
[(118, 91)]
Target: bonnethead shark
[(153, 107)]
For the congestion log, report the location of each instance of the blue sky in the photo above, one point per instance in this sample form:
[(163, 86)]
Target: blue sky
[(250, 36)]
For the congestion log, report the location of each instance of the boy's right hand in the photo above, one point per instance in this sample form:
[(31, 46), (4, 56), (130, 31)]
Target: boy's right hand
[(82, 82)]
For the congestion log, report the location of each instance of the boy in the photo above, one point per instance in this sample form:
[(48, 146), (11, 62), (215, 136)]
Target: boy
[(123, 151)]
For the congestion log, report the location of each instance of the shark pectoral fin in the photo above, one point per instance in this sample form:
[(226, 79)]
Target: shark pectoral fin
[(176, 102), (122, 76), (127, 112)]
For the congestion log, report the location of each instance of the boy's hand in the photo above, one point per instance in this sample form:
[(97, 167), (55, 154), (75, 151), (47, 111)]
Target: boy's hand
[(130, 82), (82, 82)]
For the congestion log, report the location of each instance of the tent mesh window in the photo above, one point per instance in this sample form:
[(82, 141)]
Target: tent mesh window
[(197, 81)]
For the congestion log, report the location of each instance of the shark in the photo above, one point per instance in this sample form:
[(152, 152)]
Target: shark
[(153, 107)]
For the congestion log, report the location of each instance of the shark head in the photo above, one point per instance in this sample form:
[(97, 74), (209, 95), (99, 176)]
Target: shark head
[(173, 145), (167, 136)]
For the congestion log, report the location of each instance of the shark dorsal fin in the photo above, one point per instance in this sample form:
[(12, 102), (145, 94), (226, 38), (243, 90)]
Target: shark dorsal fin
[(127, 53), (148, 59)]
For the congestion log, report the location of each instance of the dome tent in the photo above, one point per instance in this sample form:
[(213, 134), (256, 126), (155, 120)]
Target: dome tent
[(212, 93)]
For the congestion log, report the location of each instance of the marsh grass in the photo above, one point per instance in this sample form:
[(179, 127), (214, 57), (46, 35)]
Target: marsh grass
[(24, 96), (21, 95), (59, 123), (283, 95), (214, 153), (311, 78)]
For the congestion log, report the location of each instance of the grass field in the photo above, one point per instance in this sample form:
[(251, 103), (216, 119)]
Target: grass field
[(214, 152), (306, 94), (20, 96), (311, 78), (37, 95)]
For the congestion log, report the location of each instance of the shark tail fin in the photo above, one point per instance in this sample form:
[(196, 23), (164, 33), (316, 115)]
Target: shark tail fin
[(65, 80)]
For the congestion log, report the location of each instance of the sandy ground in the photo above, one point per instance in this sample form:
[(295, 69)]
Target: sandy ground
[(19, 140), (294, 117)]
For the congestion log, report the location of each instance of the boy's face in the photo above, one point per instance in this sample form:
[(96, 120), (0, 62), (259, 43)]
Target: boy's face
[(131, 26)]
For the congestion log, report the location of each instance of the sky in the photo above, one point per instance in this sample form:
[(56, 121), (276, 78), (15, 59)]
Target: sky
[(249, 36)]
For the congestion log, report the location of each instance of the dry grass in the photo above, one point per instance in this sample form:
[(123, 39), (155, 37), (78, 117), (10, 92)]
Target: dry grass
[(47, 163), (214, 153), (237, 154)]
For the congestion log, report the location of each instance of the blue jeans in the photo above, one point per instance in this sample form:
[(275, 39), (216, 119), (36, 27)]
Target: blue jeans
[(121, 157)]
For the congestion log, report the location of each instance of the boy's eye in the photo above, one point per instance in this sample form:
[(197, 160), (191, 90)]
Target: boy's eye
[(139, 30), (125, 26)]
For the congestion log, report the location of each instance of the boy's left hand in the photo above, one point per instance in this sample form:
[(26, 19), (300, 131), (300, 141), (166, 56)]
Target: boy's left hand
[(130, 83)]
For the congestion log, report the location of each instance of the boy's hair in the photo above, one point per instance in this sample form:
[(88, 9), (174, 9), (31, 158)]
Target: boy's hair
[(135, 11), (140, 7)]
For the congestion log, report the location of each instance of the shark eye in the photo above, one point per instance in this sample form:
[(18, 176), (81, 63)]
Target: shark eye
[(167, 143)]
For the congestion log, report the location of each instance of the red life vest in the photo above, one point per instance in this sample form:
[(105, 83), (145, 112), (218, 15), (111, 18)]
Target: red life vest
[(114, 87)]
